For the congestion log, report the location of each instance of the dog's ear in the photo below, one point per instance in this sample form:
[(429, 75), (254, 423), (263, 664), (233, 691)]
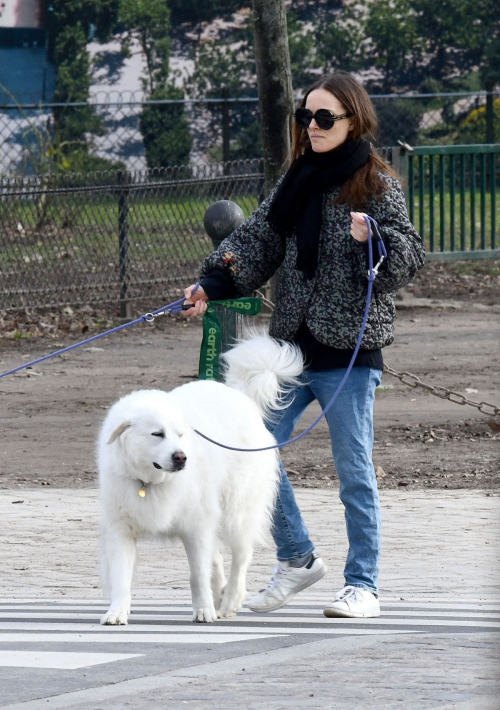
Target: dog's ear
[(119, 431)]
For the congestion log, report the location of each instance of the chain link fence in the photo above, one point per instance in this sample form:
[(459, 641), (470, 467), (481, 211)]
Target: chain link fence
[(114, 237), (228, 129)]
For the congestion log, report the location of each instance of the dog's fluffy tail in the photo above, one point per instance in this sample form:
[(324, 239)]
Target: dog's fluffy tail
[(264, 369)]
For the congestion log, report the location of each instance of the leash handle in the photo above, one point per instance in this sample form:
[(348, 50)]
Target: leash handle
[(382, 251), (374, 233)]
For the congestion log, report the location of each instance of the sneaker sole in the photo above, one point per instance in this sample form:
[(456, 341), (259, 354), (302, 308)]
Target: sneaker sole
[(336, 613), (319, 575)]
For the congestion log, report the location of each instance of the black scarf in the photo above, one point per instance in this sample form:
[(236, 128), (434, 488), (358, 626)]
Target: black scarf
[(298, 204)]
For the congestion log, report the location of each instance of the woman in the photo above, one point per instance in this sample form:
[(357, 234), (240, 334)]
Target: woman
[(312, 226)]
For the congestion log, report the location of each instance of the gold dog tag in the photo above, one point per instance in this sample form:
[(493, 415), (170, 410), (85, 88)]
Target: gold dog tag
[(142, 492)]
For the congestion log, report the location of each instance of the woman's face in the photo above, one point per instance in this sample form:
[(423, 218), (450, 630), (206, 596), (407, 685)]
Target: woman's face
[(321, 140)]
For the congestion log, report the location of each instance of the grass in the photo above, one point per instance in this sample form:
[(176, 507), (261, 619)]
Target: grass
[(468, 231), (88, 231)]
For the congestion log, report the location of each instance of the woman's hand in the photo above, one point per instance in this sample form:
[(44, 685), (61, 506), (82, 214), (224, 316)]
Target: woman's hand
[(199, 300), (359, 230)]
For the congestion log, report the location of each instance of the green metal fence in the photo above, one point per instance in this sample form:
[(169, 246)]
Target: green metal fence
[(453, 198)]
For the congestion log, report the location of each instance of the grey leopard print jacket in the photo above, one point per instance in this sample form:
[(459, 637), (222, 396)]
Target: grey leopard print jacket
[(332, 303)]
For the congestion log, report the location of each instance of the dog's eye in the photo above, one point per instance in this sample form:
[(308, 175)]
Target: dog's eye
[(161, 434)]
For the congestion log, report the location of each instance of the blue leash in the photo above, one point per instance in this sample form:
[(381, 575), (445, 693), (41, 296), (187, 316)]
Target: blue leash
[(372, 274), (177, 307)]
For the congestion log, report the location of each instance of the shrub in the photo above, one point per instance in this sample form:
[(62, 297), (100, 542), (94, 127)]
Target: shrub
[(165, 130)]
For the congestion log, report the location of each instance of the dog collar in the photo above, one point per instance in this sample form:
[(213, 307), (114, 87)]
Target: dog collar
[(142, 489)]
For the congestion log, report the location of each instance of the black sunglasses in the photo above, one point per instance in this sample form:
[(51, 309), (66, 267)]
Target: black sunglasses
[(323, 117)]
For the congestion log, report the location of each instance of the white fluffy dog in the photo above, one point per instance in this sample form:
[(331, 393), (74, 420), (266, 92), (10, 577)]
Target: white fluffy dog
[(159, 477)]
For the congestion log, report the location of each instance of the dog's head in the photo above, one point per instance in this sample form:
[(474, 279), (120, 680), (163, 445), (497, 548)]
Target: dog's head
[(154, 443)]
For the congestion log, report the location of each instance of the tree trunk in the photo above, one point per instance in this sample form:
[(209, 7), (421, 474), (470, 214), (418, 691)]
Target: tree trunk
[(274, 81)]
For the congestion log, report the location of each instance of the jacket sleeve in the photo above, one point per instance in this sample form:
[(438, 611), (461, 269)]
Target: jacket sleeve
[(405, 250), (251, 254), (218, 285)]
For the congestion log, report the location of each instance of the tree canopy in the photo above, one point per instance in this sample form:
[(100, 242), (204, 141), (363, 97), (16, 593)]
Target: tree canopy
[(148, 22), (406, 42)]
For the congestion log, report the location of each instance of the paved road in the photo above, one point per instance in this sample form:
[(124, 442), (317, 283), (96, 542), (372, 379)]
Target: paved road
[(55, 654), (436, 644)]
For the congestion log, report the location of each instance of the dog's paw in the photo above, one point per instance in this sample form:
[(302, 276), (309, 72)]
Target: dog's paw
[(227, 610), (114, 618), (218, 595), (231, 603), (205, 615)]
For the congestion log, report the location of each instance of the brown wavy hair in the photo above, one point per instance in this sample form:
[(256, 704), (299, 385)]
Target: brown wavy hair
[(367, 181)]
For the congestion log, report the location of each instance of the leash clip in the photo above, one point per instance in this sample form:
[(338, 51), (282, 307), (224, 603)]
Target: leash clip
[(375, 269)]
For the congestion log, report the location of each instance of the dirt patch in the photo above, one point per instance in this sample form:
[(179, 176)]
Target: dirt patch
[(473, 281), (451, 455), (50, 415)]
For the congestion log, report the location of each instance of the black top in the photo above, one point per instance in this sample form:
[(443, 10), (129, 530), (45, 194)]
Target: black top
[(218, 286), (318, 356)]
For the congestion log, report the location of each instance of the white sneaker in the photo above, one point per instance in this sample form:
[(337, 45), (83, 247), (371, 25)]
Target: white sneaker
[(285, 583), (354, 602)]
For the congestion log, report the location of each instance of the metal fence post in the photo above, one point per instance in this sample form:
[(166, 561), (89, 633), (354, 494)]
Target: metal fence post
[(490, 128), (123, 210), (220, 220), (400, 163)]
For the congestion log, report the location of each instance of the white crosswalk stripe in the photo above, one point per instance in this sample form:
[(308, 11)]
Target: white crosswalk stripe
[(60, 661), (76, 622)]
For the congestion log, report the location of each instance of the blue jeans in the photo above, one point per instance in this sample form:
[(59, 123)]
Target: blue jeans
[(350, 421)]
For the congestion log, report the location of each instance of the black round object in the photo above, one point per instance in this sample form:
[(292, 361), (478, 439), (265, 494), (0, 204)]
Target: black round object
[(222, 218)]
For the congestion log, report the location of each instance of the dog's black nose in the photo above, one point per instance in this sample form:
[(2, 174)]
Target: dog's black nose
[(179, 459)]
